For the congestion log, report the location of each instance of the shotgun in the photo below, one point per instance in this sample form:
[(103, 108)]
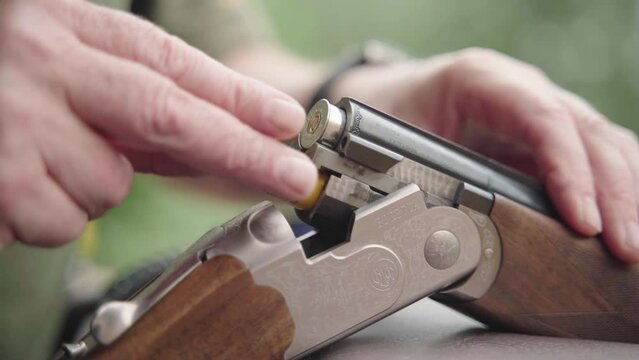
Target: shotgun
[(398, 214)]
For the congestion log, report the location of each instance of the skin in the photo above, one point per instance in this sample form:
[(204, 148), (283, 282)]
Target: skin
[(148, 102), (90, 95)]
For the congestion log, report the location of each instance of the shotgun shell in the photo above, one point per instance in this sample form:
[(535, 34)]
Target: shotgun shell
[(324, 123), (308, 202)]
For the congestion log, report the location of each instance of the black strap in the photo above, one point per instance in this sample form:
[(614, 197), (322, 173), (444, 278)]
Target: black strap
[(324, 89), (142, 7)]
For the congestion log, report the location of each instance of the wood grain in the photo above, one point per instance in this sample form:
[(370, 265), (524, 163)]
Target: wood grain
[(217, 312), (554, 282)]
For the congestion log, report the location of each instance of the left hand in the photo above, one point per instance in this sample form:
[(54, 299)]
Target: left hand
[(511, 111)]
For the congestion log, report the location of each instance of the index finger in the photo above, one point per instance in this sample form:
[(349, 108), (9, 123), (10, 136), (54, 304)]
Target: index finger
[(262, 107)]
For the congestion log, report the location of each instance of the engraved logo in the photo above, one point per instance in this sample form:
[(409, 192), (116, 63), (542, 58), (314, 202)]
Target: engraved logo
[(383, 274), (355, 127), (393, 215), (314, 122)]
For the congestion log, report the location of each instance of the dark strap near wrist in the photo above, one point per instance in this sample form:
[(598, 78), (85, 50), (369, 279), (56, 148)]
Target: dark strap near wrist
[(372, 52), (142, 7), (345, 65)]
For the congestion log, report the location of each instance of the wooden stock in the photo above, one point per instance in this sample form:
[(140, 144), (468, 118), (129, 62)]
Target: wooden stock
[(553, 282), (217, 312)]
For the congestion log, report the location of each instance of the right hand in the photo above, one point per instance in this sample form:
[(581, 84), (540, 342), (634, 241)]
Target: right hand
[(89, 94)]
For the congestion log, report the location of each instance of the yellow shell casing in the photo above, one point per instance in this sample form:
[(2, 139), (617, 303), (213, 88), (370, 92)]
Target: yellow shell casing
[(308, 202)]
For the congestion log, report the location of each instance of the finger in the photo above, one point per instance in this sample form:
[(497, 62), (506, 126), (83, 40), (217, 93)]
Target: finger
[(615, 194), (615, 183), (157, 163), (83, 164), (530, 111), (629, 148), (46, 215), (137, 107), (262, 107), (32, 205), (39, 211)]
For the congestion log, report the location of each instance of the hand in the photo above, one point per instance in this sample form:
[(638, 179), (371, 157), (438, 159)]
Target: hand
[(88, 95), (511, 111)]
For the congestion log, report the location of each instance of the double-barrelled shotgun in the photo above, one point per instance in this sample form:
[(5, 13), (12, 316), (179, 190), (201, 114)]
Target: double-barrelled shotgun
[(399, 214)]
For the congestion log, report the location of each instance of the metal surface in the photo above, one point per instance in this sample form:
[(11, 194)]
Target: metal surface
[(491, 255), (378, 271), (327, 159), (350, 191), (442, 249), (475, 198), (440, 189), (369, 154), (71, 351), (324, 123)]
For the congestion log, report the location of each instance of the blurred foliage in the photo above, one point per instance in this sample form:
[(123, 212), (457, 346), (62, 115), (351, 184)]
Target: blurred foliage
[(591, 47)]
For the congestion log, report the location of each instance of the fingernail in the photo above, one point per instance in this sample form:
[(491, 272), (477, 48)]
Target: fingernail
[(632, 236), (590, 214), (287, 116), (298, 174)]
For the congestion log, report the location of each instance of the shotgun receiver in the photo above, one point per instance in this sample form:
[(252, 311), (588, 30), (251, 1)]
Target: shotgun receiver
[(398, 215)]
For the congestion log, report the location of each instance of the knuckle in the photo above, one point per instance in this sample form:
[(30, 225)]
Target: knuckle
[(620, 188), (550, 117), (596, 125), (479, 60), (552, 111), (165, 119), (22, 38), (238, 97), (175, 59), (245, 152), (558, 180), (475, 59), (168, 54)]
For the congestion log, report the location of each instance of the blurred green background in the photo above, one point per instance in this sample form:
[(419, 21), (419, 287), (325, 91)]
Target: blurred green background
[(591, 47)]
